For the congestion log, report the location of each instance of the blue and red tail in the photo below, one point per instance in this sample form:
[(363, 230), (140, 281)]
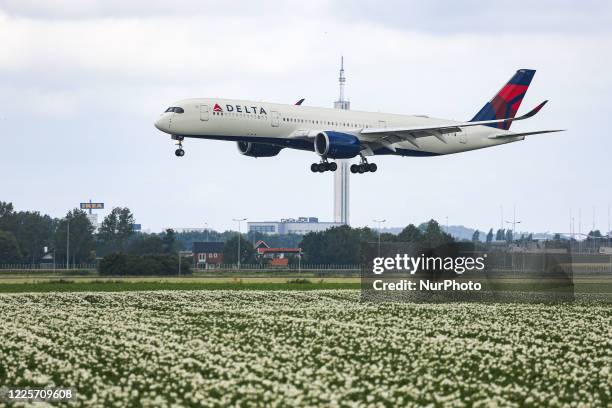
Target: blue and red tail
[(507, 101)]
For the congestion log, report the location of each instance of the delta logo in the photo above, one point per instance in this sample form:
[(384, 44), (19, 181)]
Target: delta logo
[(240, 109)]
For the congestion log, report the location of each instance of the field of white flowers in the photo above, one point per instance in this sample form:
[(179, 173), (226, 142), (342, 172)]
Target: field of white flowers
[(290, 348)]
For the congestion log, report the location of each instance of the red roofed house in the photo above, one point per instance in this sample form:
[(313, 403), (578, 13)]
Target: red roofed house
[(276, 256)]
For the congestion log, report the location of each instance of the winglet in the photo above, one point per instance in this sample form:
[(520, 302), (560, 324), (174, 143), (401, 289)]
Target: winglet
[(534, 110), (300, 101)]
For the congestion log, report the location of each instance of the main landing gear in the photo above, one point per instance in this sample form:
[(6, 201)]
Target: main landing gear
[(363, 167), (323, 166), (179, 152)]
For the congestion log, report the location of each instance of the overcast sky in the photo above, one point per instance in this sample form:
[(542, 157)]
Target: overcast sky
[(81, 83)]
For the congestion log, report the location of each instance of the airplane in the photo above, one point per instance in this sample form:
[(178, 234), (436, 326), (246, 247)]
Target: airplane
[(263, 129)]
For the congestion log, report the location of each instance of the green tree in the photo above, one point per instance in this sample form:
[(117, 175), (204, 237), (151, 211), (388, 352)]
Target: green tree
[(410, 234), (76, 231), (9, 249), (34, 232), (509, 237), (500, 235), (476, 236), (387, 237), (145, 245), (230, 251), (6, 210), (116, 229), (490, 236), (433, 236), (338, 245), (169, 241)]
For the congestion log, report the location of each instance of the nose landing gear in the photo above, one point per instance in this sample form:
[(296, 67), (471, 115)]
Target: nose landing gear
[(323, 166), (363, 167), (179, 152)]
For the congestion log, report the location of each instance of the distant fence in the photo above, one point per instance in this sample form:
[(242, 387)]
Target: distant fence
[(304, 267), (48, 267), (307, 270), (504, 263), (524, 263)]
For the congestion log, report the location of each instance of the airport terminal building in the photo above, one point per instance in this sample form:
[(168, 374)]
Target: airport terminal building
[(301, 226)]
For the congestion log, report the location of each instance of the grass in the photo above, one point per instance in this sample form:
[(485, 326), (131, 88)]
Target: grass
[(64, 285), (600, 285)]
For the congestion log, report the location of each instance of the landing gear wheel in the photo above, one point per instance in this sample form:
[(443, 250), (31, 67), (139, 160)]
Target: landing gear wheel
[(179, 152), (354, 168), (372, 167), (323, 166), (362, 168)]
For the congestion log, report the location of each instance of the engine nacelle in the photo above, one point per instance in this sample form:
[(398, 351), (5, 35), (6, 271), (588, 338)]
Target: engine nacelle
[(336, 145), (258, 149)]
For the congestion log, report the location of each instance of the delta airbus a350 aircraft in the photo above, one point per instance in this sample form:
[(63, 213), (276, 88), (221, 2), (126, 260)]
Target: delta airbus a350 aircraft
[(263, 129)]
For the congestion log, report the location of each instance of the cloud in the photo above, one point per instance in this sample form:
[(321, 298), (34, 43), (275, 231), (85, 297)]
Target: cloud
[(82, 82), (92, 9), (476, 16)]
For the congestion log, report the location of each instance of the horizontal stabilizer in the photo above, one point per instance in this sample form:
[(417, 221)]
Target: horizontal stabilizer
[(537, 132)]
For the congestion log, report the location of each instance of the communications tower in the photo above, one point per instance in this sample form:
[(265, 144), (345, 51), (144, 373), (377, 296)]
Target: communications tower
[(341, 176)]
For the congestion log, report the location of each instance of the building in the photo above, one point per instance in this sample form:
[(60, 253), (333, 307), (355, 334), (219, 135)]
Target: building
[(207, 253), (276, 256), (300, 226), (93, 219), (187, 230)]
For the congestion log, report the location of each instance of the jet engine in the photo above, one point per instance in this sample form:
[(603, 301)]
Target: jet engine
[(336, 145), (258, 149)]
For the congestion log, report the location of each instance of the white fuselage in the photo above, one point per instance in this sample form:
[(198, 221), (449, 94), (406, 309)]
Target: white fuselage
[(225, 119)]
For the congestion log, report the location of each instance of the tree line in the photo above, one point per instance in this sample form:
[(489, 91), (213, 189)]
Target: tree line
[(25, 234), (340, 245)]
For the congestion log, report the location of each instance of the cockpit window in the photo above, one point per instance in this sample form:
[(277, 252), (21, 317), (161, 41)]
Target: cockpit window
[(175, 109)]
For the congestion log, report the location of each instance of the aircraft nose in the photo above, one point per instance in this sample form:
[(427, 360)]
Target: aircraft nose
[(162, 123)]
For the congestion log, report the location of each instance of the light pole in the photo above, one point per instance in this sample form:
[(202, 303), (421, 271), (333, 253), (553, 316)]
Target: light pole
[(239, 220), (379, 222), (514, 221), (68, 243)]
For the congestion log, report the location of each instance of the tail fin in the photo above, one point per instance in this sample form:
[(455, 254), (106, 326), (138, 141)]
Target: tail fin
[(507, 101)]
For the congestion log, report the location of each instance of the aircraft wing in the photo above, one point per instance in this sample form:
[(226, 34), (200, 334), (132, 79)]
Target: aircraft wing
[(389, 136)]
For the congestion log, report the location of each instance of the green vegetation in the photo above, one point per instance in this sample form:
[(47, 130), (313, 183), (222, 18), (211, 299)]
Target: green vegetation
[(66, 285), (119, 264)]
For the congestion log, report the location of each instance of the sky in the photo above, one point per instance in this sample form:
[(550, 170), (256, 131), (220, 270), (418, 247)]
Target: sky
[(82, 82)]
